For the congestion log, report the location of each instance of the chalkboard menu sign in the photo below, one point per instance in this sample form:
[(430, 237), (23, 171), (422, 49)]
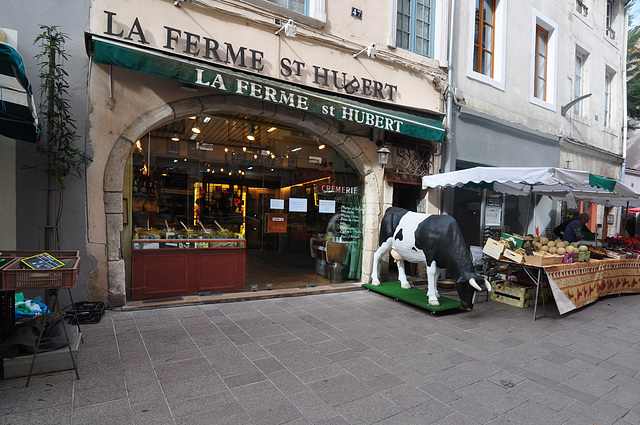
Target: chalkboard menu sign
[(42, 261)]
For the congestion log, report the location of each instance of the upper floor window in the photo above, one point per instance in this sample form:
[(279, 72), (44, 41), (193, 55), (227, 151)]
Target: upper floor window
[(544, 61), (578, 81), (315, 9), (414, 28), (540, 77), (483, 42), (299, 6), (608, 77), (609, 20), (582, 8)]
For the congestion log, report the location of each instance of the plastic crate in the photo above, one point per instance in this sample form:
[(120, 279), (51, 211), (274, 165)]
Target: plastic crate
[(30, 253), (14, 278), (86, 311)]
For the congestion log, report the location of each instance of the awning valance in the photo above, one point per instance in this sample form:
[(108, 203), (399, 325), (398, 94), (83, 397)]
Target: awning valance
[(204, 74), (557, 183), (18, 117)]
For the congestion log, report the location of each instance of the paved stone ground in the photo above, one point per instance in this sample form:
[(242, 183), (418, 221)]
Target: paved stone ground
[(346, 358)]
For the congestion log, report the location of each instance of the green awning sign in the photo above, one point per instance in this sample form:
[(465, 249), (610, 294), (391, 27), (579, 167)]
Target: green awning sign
[(156, 62)]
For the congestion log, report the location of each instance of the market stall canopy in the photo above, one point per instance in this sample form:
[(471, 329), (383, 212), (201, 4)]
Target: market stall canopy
[(557, 183), (18, 117)]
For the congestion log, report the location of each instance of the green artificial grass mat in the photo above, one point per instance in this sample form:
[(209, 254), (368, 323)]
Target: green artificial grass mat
[(413, 296)]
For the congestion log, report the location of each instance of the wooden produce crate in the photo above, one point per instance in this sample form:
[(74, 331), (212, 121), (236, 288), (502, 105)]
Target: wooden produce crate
[(513, 256), (514, 294), (547, 260), (16, 279), (493, 249)]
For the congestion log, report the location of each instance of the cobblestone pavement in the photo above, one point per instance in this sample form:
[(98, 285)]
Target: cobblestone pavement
[(345, 358)]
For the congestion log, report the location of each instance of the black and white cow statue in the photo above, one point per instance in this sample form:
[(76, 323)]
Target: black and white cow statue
[(432, 239)]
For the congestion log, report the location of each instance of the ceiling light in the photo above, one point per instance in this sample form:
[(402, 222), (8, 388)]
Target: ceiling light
[(272, 129), (175, 138), (244, 149), (226, 149), (206, 119), (296, 149), (250, 137), (193, 136), (321, 146), (193, 117), (196, 130), (290, 29)]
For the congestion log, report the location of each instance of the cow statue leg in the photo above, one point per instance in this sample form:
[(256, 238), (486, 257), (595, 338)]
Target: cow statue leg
[(384, 248), (402, 275), (432, 278)]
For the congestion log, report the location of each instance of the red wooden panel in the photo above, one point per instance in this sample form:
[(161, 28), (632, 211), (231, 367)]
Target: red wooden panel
[(161, 274), (221, 270)]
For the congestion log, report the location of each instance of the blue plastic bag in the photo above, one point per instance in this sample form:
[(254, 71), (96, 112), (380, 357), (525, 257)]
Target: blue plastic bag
[(28, 309)]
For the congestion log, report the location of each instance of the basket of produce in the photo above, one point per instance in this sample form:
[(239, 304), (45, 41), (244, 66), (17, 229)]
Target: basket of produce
[(597, 253)]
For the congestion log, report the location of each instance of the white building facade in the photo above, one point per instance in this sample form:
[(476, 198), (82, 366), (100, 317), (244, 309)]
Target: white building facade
[(539, 84)]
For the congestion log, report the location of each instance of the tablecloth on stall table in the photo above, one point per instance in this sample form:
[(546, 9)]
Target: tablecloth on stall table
[(575, 285)]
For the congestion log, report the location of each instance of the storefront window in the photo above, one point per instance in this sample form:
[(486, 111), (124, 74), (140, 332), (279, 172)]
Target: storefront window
[(293, 202)]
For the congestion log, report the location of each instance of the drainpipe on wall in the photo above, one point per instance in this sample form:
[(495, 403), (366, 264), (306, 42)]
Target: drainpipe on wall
[(627, 7), (447, 163), (447, 146)]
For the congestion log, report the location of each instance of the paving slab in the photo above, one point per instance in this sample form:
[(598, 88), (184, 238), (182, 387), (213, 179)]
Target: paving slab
[(340, 358)]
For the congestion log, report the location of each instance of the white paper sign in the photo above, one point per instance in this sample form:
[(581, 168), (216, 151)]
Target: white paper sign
[(276, 204), (298, 204), (327, 206), (493, 216)]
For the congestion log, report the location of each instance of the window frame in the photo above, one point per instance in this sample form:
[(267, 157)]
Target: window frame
[(479, 25), (608, 84), (550, 99), (499, 45), (536, 77), (316, 15), (412, 27), (578, 80), (609, 19)]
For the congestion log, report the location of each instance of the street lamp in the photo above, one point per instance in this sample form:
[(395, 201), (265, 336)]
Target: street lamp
[(383, 156)]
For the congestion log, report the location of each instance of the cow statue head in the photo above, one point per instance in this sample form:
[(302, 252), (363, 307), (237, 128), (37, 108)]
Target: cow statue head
[(468, 289)]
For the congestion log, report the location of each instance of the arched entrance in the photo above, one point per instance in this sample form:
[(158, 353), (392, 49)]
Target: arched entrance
[(221, 105)]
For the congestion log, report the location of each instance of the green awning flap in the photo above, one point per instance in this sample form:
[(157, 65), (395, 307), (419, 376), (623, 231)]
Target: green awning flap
[(18, 117), (602, 182), (201, 73)]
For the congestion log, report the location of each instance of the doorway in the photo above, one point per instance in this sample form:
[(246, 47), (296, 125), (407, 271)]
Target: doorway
[(288, 201)]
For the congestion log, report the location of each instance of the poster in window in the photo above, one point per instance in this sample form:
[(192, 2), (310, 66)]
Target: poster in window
[(297, 204), (276, 223)]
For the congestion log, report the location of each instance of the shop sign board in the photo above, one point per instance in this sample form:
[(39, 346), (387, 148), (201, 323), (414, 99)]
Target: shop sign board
[(191, 71)]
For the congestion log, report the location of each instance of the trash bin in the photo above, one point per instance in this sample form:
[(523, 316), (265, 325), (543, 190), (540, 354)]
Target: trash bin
[(335, 272)]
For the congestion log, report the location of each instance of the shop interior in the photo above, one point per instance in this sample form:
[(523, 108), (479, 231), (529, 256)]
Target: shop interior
[(281, 196)]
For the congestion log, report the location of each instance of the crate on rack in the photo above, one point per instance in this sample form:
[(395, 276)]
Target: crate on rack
[(16, 279), (30, 253), (514, 294)]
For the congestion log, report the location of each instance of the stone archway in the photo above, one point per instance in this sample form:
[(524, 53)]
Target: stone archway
[(324, 129)]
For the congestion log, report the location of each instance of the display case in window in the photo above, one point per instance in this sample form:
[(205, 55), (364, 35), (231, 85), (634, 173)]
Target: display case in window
[(164, 268)]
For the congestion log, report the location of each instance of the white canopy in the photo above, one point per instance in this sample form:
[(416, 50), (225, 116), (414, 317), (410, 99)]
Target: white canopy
[(557, 183)]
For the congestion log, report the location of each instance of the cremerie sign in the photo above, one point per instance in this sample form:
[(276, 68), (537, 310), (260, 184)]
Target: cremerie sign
[(196, 64)]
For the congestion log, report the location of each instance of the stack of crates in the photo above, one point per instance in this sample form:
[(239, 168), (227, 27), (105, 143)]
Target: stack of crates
[(514, 294)]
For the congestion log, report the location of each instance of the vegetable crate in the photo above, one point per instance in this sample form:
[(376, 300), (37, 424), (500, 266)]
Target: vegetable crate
[(14, 278), (514, 294)]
